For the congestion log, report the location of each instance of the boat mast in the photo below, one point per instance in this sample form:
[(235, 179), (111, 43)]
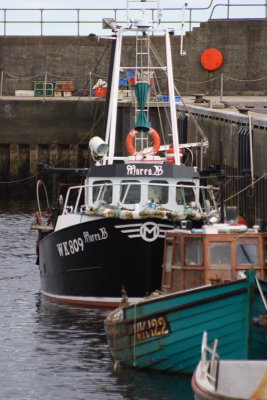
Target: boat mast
[(113, 101), (174, 126)]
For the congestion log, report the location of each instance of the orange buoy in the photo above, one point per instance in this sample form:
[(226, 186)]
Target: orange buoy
[(130, 139), (101, 91), (211, 59), (170, 159)]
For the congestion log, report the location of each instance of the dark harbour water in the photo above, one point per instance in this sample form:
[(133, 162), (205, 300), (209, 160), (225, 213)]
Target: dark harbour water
[(54, 352)]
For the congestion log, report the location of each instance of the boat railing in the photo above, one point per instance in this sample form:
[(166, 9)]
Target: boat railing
[(79, 202), (209, 364)]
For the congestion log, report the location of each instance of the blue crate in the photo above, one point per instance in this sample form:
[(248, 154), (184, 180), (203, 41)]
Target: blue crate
[(166, 98)]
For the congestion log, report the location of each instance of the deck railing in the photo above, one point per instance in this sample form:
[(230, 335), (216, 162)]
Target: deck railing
[(80, 22)]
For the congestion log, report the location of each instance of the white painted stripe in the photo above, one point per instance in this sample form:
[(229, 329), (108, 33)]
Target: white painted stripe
[(130, 230), (127, 225), (133, 236), (93, 299)]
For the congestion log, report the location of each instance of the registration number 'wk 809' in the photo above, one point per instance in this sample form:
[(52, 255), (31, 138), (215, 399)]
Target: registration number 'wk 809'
[(152, 327)]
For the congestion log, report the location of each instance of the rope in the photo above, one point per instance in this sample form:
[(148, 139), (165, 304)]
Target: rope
[(23, 77), (20, 180), (200, 130), (66, 77), (250, 185), (209, 80), (245, 80), (158, 77)]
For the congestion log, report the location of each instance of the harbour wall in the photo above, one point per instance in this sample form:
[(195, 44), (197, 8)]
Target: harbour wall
[(57, 131), (27, 59)]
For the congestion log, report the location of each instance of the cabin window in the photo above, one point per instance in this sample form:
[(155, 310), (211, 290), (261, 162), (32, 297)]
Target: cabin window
[(102, 191), (194, 252), (130, 192), (177, 254), (168, 265), (247, 254), (158, 194), (185, 195), (265, 251), (220, 255)]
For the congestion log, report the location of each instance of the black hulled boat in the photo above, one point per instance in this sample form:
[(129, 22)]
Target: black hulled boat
[(108, 239)]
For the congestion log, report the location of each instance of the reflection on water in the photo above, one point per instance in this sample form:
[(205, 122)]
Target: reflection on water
[(80, 350), (50, 351)]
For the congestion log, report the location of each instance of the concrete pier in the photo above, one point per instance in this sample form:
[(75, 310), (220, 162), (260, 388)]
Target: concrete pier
[(56, 130)]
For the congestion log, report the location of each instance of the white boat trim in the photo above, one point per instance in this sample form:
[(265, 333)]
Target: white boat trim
[(90, 300)]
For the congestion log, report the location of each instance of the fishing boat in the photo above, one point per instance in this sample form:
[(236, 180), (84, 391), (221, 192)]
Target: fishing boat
[(216, 379), (107, 235), (213, 279)]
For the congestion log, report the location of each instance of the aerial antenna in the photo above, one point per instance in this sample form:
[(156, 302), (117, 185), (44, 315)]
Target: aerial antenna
[(159, 11), (182, 52)]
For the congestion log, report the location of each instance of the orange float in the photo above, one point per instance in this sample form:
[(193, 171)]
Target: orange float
[(211, 59), (170, 159), (130, 139)]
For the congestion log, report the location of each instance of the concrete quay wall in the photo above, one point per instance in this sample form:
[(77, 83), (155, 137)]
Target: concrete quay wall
[(56, 132), (25, 59)]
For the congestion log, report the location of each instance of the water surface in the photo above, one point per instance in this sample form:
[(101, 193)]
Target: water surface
[(50, 351)]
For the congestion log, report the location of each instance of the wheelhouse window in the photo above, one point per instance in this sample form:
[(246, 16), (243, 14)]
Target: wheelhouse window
[(220, 255), (194, 251), (185, 195), (265, 251), (177, 254), (247, 254), (102, 191), (168, 264), (130, 192), (157, 193)]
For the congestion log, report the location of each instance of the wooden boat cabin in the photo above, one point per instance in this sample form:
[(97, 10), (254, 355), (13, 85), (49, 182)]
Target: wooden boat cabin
[(210, 255)]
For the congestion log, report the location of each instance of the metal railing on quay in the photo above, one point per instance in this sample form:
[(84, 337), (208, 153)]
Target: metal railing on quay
[(183, 18)]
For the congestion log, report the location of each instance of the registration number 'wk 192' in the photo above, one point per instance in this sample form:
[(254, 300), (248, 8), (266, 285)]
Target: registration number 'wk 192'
[(152, 327)]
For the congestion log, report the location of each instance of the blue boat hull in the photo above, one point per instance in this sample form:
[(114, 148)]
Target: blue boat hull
[(165, 333)]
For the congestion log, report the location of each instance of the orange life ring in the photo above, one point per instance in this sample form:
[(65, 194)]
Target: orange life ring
[(130, 140)]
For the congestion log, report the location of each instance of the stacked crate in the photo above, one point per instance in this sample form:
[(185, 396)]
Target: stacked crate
[(64, 88), (42, 88)]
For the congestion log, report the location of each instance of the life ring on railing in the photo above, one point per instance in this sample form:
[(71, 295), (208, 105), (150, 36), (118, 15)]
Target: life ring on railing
[(130, 141)]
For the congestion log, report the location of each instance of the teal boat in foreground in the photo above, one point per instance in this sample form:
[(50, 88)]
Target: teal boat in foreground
[(164, 331)]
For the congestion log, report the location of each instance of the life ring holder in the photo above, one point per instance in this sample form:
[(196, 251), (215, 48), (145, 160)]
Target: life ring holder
[(39, 212), (130, 139)]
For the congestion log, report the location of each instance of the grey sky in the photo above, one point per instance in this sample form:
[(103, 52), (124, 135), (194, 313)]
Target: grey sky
[(71, 29)]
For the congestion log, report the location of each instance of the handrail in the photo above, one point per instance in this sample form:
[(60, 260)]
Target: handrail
[(261, 293), (210, 360), (188, 16), (81, 188)]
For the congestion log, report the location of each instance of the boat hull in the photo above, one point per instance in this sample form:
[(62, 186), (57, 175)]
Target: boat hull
[(235, 380), (165, 334), (90, 262)]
